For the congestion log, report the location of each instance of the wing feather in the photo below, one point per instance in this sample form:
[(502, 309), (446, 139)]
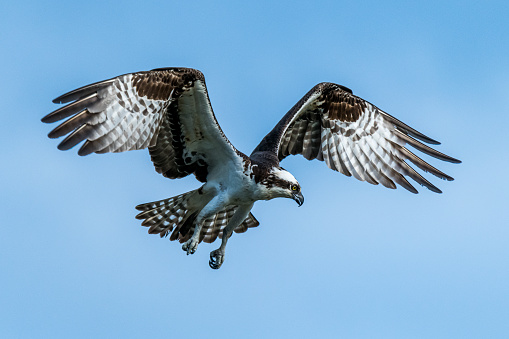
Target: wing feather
[(71, 109), (296, 141), (167, 110), (353, 137), (379, 158), (71, 124), (82, 92), (325, 149), (425, 149), (364, 158), (311, 144)]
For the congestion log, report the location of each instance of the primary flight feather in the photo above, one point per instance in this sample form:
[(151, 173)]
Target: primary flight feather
[(168, 111)]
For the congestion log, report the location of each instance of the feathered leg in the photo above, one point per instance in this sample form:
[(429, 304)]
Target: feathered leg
[(217, 256), (214, 206)]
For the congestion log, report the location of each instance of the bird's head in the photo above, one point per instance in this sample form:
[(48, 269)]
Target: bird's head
[(282, 184)]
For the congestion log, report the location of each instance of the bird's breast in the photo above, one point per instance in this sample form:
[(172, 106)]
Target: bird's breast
[(237, 185)]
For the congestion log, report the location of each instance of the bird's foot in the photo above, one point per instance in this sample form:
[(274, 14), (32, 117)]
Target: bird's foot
[(216, 258), (190, 246)]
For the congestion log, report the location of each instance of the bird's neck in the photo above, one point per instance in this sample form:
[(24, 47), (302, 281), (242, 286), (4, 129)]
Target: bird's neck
[(266, 158)]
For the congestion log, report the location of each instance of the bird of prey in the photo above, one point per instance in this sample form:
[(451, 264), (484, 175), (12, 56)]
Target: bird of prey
[(168, 111)]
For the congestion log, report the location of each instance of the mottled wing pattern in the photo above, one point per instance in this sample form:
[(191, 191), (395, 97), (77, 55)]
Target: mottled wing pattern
[(166, 110), (114, 115), (353, 137), (169, 217)]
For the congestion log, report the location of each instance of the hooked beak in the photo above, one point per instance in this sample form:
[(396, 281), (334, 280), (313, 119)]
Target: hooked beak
[(299, 198)]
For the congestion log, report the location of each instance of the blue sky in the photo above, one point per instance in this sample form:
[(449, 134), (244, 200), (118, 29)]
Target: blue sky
[(356, 261)]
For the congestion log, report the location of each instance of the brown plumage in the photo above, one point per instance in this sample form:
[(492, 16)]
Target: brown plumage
[(168, 111), (353, 137)]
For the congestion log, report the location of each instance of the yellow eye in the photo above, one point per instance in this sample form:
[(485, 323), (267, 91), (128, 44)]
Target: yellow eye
[(294, 188)]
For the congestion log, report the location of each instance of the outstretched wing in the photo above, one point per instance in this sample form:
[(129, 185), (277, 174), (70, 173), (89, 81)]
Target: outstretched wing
[(353, 137), (167, 110)]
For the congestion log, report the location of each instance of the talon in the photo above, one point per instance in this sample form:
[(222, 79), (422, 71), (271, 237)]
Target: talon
[(216, 259), (190, 246)]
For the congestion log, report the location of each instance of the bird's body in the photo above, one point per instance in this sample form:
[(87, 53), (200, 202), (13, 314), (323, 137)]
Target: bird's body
[(168, 111)]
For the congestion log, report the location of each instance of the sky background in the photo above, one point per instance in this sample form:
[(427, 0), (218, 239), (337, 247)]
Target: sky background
[(356, 261)]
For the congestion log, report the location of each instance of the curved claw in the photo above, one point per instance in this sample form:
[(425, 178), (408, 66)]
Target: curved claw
[(190, 246), (216, 259)]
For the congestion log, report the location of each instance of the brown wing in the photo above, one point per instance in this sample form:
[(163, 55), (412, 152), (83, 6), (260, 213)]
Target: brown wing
[(353, 137), (167, 110)]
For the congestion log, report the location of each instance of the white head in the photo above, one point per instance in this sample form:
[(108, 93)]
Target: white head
[(282, 184)]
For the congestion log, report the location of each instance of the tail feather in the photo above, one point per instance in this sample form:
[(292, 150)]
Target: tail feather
[(213, 226), (164, 215), (175, 217)]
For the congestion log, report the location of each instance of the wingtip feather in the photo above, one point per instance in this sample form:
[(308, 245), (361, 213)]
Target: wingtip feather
[(433, 188), (81, 92), (86, 149)]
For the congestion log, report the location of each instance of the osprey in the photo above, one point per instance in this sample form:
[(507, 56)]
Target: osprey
[(168, 111)]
